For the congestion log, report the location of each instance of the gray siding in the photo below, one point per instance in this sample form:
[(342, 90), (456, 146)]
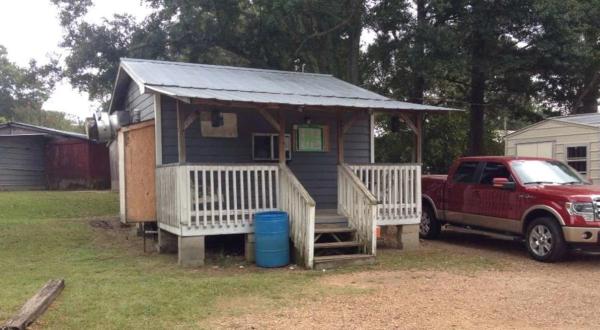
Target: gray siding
[(22, 163), (143, 102), (316, 170)]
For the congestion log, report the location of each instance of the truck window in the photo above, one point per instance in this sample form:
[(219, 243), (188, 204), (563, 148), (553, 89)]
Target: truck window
[(465, 173), (494, 170)]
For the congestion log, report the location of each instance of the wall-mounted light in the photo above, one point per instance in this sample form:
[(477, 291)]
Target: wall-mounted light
[(307, 120)]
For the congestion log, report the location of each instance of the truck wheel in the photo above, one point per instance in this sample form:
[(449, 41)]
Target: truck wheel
[(545, 241), (430, 227)]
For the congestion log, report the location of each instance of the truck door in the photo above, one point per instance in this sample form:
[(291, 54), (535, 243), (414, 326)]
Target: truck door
[(459, 189), (496, 208)]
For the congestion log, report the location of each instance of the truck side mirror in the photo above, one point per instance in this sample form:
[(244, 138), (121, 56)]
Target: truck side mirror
[(503, 183)]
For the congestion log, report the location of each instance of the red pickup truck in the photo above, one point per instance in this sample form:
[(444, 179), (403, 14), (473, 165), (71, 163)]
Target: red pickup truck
[(544, 201)]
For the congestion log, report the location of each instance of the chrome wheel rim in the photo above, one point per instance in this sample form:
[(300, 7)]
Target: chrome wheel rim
[(425, 224), (540, 240)]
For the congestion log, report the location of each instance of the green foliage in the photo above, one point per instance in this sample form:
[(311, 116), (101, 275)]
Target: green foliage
[(568, 54), (24, 90), (513, 61), (319, 36)]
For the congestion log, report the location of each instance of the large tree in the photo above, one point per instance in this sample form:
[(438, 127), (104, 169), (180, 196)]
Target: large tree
[(23, 90), (316, 36), (567, 43), (460, 53)]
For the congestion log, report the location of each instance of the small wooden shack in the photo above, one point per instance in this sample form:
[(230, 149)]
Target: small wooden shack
[(228, 142), (35, 157)]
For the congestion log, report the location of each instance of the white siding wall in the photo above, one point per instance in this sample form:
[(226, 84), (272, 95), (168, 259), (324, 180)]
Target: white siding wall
[(561, 135)]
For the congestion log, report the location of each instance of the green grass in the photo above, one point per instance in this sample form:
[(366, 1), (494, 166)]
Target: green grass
[(112, 284)]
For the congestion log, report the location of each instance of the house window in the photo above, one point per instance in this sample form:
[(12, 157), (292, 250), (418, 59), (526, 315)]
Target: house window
[(265, 146), (577, 158)]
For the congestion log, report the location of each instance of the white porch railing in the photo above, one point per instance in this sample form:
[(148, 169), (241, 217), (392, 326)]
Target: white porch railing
[(360, 206), (397, 189), (214, 199), (222, 199), (296, 201)]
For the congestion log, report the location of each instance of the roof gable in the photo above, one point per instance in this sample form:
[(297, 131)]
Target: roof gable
[(551, 123)]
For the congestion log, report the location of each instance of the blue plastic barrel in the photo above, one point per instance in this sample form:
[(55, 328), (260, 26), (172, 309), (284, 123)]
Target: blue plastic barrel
[(272, 231)]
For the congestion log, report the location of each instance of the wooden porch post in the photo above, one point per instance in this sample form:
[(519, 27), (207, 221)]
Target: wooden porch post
[(340, 137), (419, 138), (281, 137), (180, 134)]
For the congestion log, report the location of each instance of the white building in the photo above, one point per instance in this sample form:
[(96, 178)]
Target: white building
[(573, 139)]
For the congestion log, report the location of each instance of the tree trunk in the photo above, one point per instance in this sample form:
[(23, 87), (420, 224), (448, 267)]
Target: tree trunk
[(477, 96), (587, 102), (417, 91), (354, 40)]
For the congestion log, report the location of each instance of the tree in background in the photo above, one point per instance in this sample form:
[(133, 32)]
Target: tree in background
[(317, 36), (509, 63), (24, 90), (567, 44)]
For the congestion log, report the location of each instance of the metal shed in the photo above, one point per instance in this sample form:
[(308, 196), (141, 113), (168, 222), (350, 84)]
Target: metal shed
[(572, 139), (35, 157), (22, 162)]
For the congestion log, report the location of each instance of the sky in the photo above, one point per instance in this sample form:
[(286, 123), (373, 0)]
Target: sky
[(30, 29)]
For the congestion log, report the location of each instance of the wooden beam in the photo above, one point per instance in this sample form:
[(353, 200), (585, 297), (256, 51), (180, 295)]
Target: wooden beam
[(158, 128), (372, 136), (340, 137), (409, 122), (281, 146), (35, 306), (189, 120), (122, 176), (270, 118), (181, 149), (419, 138)]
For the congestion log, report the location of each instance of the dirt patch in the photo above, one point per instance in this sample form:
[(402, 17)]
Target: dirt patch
[(522, 294), (103, 224)]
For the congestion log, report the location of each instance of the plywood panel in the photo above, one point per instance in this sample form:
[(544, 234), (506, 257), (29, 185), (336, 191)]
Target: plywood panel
[(140, 163)]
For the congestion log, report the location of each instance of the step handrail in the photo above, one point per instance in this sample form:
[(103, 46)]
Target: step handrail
[(300, 206), (357, 203)]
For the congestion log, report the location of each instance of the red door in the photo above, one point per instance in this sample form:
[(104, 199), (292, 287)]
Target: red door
[(460, 189), (498, 207)]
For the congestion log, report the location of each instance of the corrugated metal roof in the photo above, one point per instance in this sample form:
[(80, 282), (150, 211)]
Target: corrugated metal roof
[(224, 83), (43, 130), (590, 119)]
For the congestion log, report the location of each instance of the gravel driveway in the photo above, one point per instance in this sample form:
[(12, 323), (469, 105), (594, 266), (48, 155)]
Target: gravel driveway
[(521, 293)]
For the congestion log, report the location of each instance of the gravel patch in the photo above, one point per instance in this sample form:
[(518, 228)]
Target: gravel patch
[(522, 294)]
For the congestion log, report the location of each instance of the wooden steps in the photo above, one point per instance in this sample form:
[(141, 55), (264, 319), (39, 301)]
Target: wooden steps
[(328, 262), (333, 230), (335, 242), (337, 245)]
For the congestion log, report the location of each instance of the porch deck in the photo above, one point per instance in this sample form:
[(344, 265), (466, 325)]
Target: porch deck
[(203, 199)]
